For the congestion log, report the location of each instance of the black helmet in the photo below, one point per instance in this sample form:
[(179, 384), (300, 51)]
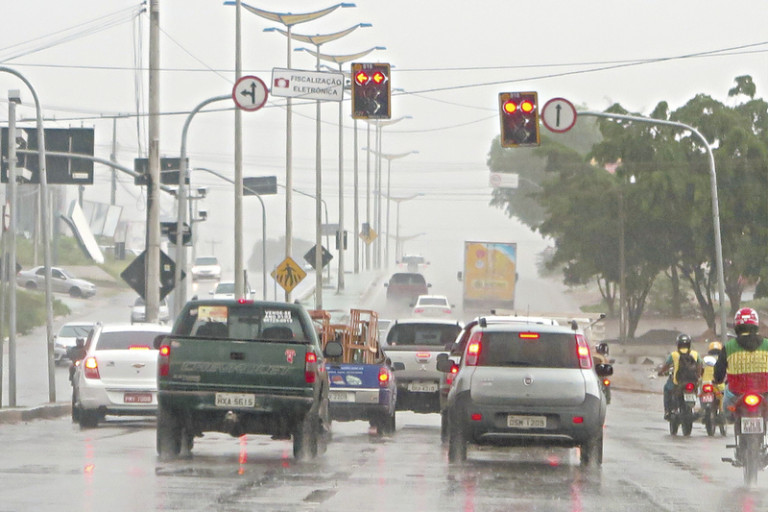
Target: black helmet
[(684, 341), (602, 348)]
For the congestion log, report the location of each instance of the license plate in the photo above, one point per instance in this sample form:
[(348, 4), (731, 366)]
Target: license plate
[(422, 387), (707, 399), (690, 397), (752, 425), (137, 398), (341, 396), (235, 400), (527, 421)]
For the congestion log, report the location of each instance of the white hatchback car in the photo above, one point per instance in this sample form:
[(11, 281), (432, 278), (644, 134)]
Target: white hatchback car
[(118, 374), (206, 267), (432, 306), (226, 290), (139, 311)]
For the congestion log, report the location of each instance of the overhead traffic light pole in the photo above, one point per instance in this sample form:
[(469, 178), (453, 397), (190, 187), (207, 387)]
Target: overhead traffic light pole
[(519, 115)]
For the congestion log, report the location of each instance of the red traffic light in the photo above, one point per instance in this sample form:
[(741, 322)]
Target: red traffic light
[(509, 107), (361, 77), (527, 106), (519, 119), (379, 77)]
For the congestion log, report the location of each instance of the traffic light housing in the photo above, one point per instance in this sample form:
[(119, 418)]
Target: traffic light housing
[(519, 113), (371, 91)]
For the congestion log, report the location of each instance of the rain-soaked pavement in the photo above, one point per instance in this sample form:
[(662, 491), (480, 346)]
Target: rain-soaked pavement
[(53, 465)]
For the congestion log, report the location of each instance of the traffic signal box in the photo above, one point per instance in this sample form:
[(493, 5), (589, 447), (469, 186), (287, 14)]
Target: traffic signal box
[(371, 91), (519, 113)]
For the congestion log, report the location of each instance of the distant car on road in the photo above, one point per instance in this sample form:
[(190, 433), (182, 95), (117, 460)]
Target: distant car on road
[(406, 286), (432, 306), (139, 311), (118, 374), (61, 282), (226, 290), (206, 267), (412, 262), (67, 336)]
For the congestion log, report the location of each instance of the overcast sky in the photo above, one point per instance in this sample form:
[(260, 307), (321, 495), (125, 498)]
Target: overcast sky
[(450, 58)]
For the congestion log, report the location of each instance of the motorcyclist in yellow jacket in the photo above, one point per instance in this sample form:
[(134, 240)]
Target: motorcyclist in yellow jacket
[(673, 363)]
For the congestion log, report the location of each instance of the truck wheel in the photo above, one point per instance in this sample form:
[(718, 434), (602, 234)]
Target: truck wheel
[(305, 438), (457, 442), (88, 418), (168, 433)]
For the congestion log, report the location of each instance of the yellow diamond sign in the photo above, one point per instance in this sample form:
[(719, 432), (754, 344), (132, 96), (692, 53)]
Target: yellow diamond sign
[(288, 274)]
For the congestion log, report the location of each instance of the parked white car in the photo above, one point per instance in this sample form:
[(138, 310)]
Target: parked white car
[(61, 281), (118, 374)]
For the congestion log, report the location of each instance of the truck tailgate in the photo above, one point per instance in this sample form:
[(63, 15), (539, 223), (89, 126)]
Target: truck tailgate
[(233, 365)]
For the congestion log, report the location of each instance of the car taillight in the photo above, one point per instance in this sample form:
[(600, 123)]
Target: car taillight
[(138, 347), (447, 311), (418, 310), (689, 387), (452, 375), (310, 367), (164, 360), (752, 400), (582, 351), (384, 377), (473, 349), (606, 382), (707, 388), (91, 368)]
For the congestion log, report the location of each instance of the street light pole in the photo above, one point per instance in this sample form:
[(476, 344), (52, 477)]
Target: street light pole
[(398, 200)]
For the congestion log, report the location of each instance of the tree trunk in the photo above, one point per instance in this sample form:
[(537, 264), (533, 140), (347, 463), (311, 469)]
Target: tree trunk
[(702, 289), (676, 296), (635, 306), (609, 294)]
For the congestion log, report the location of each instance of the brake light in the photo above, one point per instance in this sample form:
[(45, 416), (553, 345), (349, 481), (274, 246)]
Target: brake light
[(423, 355), (606, 382), (707, 388), (310, 367), (452, 375), (578, 420), (418, 310), (528, 335), (244, 301), (473, 348), (164, 360), (447, 311), (138, 347), (91, 368), (689, 387), (477, 416), (384, 377), (582, 351), (752, 400)]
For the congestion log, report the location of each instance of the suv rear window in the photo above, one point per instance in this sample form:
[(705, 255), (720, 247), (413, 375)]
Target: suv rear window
[(407, 279), (549, 350), (124, 340), (438, 335), (243, 322)]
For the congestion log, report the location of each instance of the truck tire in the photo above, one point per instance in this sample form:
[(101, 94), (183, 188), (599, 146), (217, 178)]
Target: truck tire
[(305, 438), (168, 433)]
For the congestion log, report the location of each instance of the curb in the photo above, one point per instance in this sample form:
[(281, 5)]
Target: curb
[(47, 411)]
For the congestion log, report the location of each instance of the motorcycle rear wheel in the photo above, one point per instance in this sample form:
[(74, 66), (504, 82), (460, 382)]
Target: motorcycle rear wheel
[(674, 424), (709, 422), (752, 459)]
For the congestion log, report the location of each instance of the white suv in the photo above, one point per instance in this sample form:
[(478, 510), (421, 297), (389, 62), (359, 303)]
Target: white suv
[(206, 267)]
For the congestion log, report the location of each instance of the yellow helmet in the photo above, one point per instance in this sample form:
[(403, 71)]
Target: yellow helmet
[(715, 345)]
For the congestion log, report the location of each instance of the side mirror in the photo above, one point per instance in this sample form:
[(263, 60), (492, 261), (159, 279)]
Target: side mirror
[(445, 365), (411, 305), (459, 275), (386, 284), (604, 370), (158, 341), (442, 356), (398, 366), (333, 349)]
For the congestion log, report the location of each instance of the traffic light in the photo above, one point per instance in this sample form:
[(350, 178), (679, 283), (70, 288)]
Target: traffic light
[(371, 91), (519, 113)]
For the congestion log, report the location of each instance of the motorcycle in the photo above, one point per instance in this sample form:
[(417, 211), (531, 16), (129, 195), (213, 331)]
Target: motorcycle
[(605, 384), (750, 454), (710, 400), (683, 402)]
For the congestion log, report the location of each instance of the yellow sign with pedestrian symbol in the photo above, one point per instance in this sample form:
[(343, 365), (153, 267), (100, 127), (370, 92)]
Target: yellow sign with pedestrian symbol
[(288, 274), (370, 237)]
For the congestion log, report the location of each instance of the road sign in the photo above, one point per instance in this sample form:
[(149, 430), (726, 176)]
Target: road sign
[(558, 115), (259, 185), (309, 85), (249, 93), (169, 171), (310, 256), (135, 274), (288, 274), (60, 170), (368, 237), (504, 179)]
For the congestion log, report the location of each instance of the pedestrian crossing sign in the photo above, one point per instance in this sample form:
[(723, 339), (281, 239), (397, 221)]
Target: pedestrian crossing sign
[(288, 274), (368, 237)]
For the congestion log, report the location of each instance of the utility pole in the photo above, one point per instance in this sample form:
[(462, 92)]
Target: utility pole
[(14, 97), (152, 271), (113, 157)]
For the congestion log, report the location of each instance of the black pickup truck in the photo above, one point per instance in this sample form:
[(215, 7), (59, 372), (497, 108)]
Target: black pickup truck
[(242, 367)]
